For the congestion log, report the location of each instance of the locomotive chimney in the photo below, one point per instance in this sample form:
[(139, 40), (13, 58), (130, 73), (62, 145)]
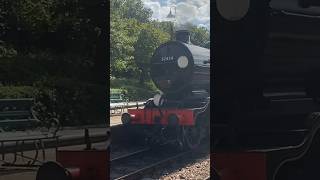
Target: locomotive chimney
[(183, 36)]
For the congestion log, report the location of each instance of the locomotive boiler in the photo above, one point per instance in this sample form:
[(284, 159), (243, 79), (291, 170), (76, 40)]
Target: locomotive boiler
[(266, 80), (178, 66), (180, 113)]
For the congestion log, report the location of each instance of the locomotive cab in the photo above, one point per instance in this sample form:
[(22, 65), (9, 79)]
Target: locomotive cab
[(267, 89)]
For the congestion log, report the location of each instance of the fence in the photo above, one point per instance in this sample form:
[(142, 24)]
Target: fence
[(119, 108)]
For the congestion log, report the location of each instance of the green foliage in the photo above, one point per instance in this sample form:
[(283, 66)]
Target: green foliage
[(128, 19), (165, 26), (48, 51), (8, 92), (35, 15), (115, 91), (72, 102), (33, 66), (130, 9), (133, 40), (136, 93), (123, 34), (133, 90), (200, 36)]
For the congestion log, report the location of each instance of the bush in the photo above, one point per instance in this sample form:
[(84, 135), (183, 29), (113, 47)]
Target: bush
[(133, 90), (71, 101), (11, 92)]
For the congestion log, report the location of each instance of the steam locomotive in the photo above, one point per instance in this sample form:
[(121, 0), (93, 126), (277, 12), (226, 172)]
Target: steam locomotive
[(266, 78), (180, 114)]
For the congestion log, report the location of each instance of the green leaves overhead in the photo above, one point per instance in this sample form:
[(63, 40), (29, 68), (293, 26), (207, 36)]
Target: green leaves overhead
[(35, 15), (51, 50), (123, 35), (130, 9), (200, 36), (127, 19)]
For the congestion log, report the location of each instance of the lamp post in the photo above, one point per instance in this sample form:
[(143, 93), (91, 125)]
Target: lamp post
[(172, 18)]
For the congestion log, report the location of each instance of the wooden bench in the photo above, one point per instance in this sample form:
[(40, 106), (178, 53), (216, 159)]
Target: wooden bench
[(116, 97), (18, 114)]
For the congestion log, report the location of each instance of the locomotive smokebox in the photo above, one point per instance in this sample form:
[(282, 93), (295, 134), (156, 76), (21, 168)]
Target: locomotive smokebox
[(178, 66), (183, 36)]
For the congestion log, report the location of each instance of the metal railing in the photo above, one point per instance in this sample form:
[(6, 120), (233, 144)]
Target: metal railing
[(119, 108)]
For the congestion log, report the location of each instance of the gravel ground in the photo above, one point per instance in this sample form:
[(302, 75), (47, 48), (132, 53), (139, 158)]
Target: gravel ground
[(197, 167), (199, 170)]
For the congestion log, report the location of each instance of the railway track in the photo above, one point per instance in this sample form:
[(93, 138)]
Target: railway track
[(130, 154), (135, 165), (138, 164)]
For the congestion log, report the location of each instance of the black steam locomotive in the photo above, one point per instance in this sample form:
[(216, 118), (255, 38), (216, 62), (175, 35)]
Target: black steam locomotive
[(266, 79), (181, 112)]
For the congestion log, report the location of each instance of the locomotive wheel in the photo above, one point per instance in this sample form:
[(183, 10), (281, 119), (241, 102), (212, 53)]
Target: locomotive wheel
[(52, 171), (192, 136)]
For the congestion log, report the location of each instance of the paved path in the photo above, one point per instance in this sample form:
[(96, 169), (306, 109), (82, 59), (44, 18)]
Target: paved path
[(115, 120), (64, 133)]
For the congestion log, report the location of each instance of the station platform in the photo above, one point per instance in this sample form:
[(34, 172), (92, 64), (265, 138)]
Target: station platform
[(115, 120), (68, 132)]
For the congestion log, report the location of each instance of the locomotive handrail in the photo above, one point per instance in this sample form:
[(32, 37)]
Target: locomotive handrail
[(298, 13), (292, 13), (297, 151), (304, 146)]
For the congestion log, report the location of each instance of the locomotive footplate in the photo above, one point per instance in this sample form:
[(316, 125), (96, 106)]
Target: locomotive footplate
[(185, 127), (290, 162), (163, 116)]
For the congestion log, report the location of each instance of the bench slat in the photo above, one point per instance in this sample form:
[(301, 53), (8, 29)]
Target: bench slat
[(16, 113), (12, 113), (18, 121)]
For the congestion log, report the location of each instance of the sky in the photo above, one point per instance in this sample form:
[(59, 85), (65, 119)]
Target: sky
[(188, 11)]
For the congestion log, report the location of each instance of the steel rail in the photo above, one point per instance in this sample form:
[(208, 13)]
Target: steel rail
[(129, 155), (143, 171)]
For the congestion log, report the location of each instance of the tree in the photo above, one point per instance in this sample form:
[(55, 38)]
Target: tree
[(123, 35), (164, 26), (54, 41), (127, 17), (131, 9), (200, 36), (148, 40)]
